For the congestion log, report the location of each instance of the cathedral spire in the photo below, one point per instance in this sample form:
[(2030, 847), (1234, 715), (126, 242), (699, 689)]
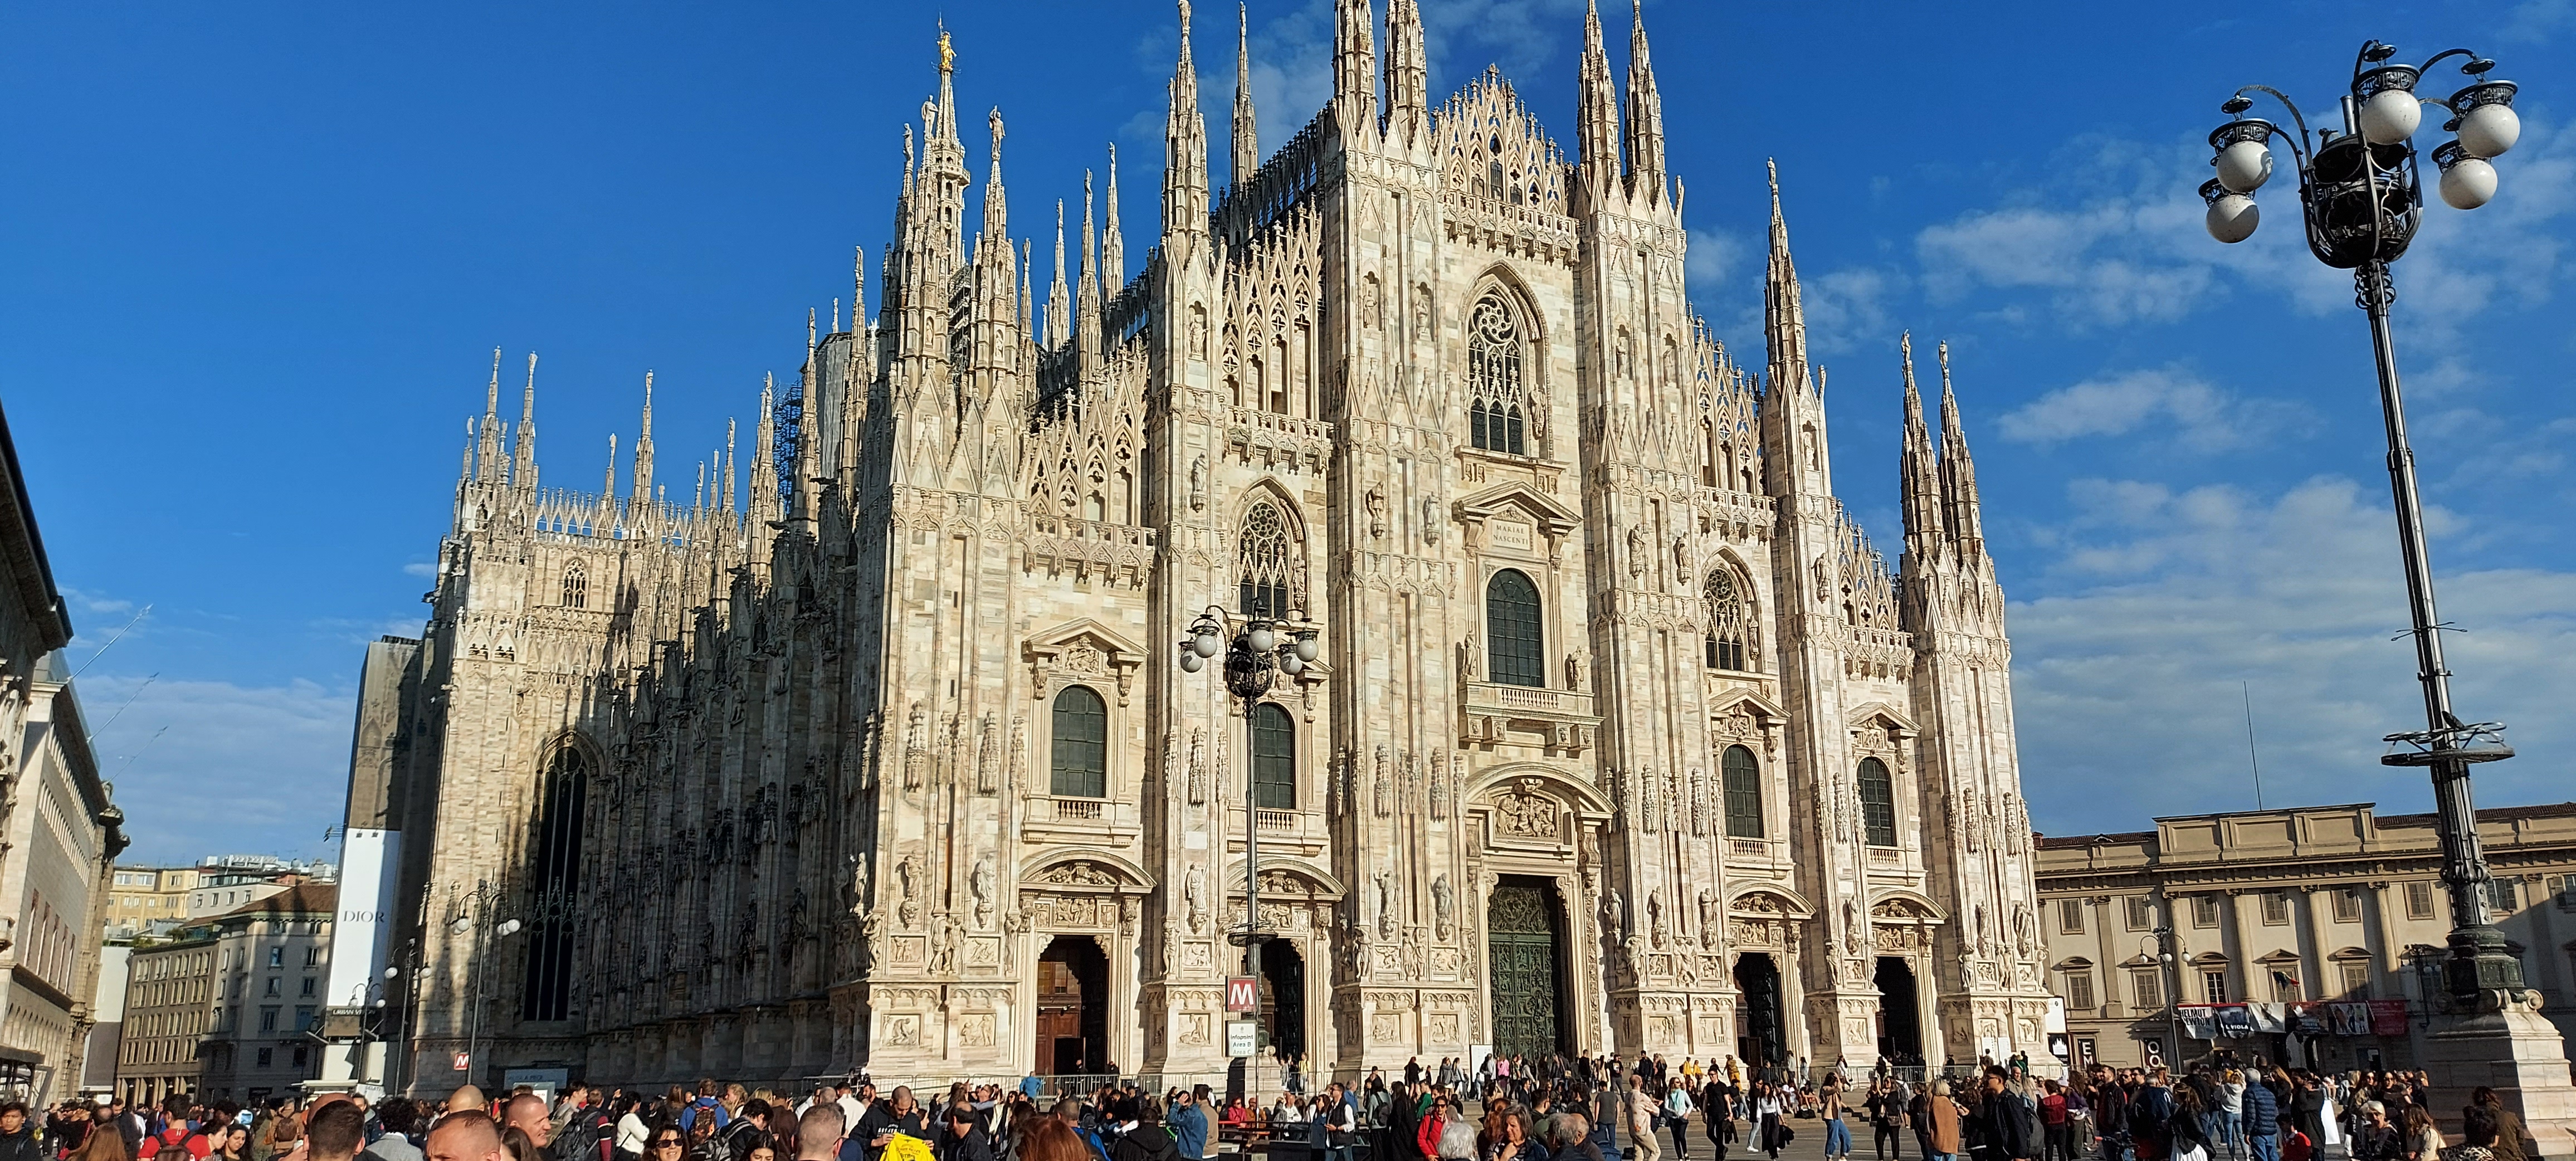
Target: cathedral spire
[(1406, 77), (608, 482), (1247, 145), (523, 471), (1645, 142), (644, 448), (1113, 240), (1918, 477), (947, 88), (728, 465), (858, 289), (1784, 318), (1185, 167), (487, 452), (1086, 302), (996, 210), (1058, 312), (1354, 63), (1958, 470), (1596, 110)]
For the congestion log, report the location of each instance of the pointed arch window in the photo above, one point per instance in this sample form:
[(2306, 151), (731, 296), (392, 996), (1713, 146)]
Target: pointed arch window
[(1079, 765), (1274, 758), (1265, 564), (576, 588), (556, 877), (1877, 803), (1499, 400), (1743, 784), (1730, 628), (1513, 632)]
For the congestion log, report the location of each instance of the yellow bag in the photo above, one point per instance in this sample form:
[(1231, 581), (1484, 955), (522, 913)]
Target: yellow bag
[(904, 1148)]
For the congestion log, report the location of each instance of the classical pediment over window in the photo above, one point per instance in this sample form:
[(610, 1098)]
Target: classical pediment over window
[(1085, 651)]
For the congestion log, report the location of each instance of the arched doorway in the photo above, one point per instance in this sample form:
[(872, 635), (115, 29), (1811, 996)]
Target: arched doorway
[(1900, 1015), (1283, 998), (1759, 1036), (1073, 1007), (1521, 940)]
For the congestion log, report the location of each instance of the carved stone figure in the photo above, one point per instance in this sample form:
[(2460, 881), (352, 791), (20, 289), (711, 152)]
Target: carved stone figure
[(1710, 917), (1385, 879), (1442, 905), (979, 883), (1195, 896), (1471, 658)]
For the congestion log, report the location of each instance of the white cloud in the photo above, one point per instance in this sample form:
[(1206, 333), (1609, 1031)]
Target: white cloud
[(203, 766), (2127, 674), (2539, 21), (1714, 255), (421, 568), (2199, 416)]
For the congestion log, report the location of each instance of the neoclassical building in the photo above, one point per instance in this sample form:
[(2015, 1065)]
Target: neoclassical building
[(1622, 735)]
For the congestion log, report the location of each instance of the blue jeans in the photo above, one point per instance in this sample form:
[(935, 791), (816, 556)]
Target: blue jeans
[(1837, 1139), (2222, 1129), (2264, 1148)]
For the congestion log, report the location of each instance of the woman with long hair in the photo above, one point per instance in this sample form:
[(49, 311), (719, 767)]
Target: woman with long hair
[(102, 1146), (2423, 1138)]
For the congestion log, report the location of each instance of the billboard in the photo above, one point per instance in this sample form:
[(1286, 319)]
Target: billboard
[(369, 859)]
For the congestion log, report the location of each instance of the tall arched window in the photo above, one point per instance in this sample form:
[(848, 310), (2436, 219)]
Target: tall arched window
[(1743, 781), (1499, 398), (576, 588), (555, 879), (1274, 758), (1728, 626), (1079, 766), (1512, 631), (1262, 556), (1877, 803)]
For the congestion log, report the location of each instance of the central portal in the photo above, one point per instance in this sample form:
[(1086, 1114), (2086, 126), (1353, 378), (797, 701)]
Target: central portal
[(1073, 1007), (1521, 939)]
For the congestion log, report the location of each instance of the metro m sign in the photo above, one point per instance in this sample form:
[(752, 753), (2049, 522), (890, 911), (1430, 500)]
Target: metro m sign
[(1242, 994)]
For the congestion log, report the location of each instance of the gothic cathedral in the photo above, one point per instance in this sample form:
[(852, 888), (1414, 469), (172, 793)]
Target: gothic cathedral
[(1621, 735)]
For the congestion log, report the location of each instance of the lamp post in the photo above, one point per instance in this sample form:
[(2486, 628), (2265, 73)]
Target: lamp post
[(2169, 973), (2361, 201), (1261, 650), (477, 918)]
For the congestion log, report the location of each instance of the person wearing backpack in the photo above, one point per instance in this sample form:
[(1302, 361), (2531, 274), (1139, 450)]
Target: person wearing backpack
[(178, 1136)]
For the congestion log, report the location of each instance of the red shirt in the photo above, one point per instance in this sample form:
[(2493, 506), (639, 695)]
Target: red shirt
[(2295, 1146), (2052, 1109), (176, 1137)]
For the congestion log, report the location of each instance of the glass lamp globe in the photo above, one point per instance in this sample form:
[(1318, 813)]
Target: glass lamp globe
[(1307, 647), (2490, 130), (2244, 166), (1206, 644), (508, 927), (2232, 217), (2469, 183), (1191, 662), (2390, 116), (1261, 639), (1290, 664)]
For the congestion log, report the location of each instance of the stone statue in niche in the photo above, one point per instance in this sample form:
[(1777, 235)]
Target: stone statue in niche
[(1708, 917), (1636, 550), (1385, 903), (1430, 520), (1574, 672), (1442, 904), (1471, 658), (1198, 484), (1377, 512), (1194, 895), (979, 883)]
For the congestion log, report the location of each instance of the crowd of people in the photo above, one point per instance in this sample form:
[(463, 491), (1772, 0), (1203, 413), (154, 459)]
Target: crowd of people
[(1507, 1109)]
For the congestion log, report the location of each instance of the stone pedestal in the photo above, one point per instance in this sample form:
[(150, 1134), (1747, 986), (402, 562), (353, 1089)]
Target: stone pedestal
[(2515, 1051)]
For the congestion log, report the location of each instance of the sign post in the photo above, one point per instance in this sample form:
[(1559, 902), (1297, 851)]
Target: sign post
[(1242, 994)]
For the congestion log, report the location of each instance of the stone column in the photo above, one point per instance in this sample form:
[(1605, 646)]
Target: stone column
[(2313, 983)]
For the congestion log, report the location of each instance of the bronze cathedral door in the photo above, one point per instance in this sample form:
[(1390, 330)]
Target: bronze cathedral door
[(1521, 944)]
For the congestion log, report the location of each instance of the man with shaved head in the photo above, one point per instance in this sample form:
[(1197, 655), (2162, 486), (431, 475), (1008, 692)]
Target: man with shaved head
[(527, 1113), (467, 1135), (335, 1130), (818, 1133), (467, 1099)]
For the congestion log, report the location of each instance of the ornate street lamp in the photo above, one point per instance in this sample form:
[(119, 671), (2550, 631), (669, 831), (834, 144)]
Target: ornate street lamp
[(479, 919), (2358, 193), (1262, 649)]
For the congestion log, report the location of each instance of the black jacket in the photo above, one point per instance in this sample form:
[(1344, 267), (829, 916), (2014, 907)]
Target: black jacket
[(21, 1146), (1146, 1142), (2006, 1123)]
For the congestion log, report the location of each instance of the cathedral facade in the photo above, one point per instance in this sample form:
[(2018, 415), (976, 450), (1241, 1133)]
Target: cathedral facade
[(1620, 735)]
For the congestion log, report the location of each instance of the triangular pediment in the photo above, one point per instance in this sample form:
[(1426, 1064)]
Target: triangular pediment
[(1551, 516), (1493, 148)]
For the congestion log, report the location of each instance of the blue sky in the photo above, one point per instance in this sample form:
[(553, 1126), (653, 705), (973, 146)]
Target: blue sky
[(256, 259)]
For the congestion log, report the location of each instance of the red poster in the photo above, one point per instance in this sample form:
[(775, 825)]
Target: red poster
[(2388, 1017)]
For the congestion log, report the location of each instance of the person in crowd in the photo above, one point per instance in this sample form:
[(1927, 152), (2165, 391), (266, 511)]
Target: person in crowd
[(18, 1134), (1943, 1138), (2507, 1145), (1142, 1135), (1770, 1116), (1678, 1106), (466, 1135), (400, 1120), (1638, 1110), (104, 1143), (819, 1132), (335, 1131), (2423, 1139), (1829, 1105)]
